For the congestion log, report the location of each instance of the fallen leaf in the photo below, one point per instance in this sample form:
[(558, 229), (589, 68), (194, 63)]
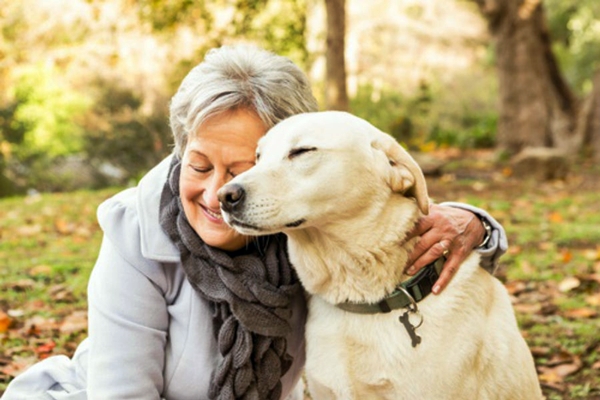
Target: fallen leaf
[(568, 284), (527, 267), (583, 312), (61, 293), (37, 324), (566, 255), (540, 351), (515, 250), (5, 321), (592, 254), (559, 367), (44, 350), (561, 357), (525, 308), (515, 287), (63, 227), (40, 270), (29, 230), (76, 322), (593, 300), (20, 285), (590, 277), (555, 217), (18, 365), (15, 313)]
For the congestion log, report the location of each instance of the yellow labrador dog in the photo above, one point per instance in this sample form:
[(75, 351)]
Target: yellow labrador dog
[(346, 194)]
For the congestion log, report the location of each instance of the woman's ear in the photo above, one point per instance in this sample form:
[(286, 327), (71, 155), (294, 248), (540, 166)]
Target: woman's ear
[(404, 174)]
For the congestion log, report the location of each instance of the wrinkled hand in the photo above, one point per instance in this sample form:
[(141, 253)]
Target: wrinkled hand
[(446, 230)]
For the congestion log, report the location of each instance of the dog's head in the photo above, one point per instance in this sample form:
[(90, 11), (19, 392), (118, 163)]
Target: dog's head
[(320, 168)]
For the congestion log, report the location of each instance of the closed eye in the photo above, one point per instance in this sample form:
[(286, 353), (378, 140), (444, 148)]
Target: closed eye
[(300, 150)]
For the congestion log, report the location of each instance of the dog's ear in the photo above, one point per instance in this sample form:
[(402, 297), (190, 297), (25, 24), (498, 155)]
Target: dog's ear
[(405, 175)]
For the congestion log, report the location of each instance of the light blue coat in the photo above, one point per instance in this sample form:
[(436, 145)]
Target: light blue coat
[(150, 334)]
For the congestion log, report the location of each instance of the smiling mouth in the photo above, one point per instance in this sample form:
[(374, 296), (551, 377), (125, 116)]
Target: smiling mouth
[(213, 214)]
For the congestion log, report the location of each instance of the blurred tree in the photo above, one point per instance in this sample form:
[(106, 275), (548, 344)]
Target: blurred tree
[(336, 96), (219, 21), (538, 106), (123, 136)]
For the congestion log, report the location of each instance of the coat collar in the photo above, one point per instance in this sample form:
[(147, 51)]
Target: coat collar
[(155, 244)]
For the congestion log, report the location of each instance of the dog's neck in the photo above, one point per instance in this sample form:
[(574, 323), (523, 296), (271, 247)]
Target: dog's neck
[(360, 260)]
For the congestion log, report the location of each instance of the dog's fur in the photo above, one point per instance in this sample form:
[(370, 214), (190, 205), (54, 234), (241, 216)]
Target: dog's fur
[(346, 194)]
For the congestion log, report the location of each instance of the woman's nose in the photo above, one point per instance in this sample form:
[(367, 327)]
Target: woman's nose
[(210, 193)]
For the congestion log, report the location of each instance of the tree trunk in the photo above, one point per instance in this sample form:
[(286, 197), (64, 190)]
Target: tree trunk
[(537, 107), (336, 96), (591, 124)]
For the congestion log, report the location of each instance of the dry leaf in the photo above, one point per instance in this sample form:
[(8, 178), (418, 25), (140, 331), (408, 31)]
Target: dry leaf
[(546, 246), (21, 285), (515, 287), (593, 300), (4, 321), (76, 322), (578, 313), (40, 270), (507, 171), (44, 350), (540, 351), (592, 254), (18, 365), (555, 217), (566, 256), (590, 277), (568, 284), (515, 250), (37, 324), (63, 227), (524, 308), (559, 367), (29, 230)]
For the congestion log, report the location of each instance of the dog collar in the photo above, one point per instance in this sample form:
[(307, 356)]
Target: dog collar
[(413, 290)]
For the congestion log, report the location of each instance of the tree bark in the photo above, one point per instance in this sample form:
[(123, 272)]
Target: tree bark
[(537, 107), (591, 124), (336, 95), (532, 90)]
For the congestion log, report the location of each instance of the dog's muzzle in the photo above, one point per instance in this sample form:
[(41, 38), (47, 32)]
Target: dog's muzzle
[(231, 197)]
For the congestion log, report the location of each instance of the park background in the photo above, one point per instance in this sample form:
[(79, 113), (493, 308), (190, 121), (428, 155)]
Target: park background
[(498, 100)]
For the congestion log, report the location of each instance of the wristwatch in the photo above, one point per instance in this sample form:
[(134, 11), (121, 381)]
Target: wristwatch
[(488, 233)]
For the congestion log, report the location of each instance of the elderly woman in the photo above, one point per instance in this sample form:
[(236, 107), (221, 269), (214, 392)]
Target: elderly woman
[(180, 305)]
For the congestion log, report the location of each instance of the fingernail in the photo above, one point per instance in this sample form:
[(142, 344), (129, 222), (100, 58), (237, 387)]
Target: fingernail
[(411, 271), (436, 289)]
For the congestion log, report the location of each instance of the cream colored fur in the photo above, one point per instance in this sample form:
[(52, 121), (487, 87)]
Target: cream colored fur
[(346, 194)]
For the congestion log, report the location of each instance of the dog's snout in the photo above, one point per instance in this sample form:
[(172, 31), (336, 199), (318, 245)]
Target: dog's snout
[(231, 196)]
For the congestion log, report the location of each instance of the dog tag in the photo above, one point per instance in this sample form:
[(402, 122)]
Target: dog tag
[(410, 328)]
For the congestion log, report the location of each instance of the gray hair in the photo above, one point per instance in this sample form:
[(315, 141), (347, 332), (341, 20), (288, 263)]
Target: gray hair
[(233, 77)]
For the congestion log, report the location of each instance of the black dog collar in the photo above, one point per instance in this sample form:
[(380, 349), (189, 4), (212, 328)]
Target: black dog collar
[(418, 287)]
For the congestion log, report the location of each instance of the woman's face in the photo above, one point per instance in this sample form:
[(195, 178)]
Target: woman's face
[(223, 147)]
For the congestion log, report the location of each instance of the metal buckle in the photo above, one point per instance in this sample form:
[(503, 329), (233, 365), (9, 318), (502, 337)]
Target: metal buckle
[(412, 307)]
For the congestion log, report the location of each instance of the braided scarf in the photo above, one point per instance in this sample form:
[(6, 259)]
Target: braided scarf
[(250, 295)]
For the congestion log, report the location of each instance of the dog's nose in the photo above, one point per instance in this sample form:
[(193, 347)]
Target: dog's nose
[(231, 196)]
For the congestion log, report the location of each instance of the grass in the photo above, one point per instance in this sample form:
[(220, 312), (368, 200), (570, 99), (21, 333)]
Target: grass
[(48, 245)]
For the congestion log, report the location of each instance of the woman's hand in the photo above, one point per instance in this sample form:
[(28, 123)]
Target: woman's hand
[(446, 231)]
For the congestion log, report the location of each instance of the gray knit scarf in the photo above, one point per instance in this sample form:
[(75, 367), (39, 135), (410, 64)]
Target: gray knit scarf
[(250, 295)]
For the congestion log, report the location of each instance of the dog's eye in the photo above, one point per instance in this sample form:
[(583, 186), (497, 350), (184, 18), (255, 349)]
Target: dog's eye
[(300, 150), (257, 156)]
